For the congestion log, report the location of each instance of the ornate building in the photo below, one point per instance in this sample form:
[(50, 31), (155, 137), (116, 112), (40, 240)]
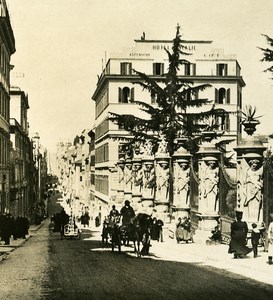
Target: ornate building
[(116, 89)]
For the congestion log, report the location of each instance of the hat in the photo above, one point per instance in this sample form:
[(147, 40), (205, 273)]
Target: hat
[(239, 213)]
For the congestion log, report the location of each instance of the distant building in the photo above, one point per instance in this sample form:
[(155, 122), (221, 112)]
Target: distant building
[(21, 158), (7, 48), (116, 89)]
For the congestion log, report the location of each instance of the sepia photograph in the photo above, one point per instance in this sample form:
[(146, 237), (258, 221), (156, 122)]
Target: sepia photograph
[(136, 149)]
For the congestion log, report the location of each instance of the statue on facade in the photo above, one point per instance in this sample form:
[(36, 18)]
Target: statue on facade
[(162, 186), (181, 183), (209, 186), (128, 177), (252, 190), (137, 177), (149, 180), (121, 168)]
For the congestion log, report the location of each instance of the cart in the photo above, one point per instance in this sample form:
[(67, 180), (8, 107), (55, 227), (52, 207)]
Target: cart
[(71, 230)]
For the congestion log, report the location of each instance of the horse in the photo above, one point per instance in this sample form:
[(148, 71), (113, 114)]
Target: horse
[(111, 228), (138, 231)]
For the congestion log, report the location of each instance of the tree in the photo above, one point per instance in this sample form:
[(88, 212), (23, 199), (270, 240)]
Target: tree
[(174, 116), (268, 53), (171, 118)]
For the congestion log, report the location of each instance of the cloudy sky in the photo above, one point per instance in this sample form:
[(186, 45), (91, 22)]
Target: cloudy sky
[(60, 45)]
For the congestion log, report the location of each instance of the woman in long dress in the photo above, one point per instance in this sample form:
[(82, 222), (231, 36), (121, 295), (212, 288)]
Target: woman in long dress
[(270, 240), (238, 241)]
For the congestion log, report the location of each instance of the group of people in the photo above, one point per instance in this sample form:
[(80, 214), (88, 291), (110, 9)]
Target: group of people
[(183, 230), (157, 229), (127, 213), (239, 236), (10, 226)]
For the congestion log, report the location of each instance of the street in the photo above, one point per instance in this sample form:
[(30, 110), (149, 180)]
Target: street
[(46, 267)]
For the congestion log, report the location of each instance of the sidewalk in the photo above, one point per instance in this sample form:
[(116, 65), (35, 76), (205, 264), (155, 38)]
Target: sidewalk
[(5, 249), (201, 254), (216, 256)]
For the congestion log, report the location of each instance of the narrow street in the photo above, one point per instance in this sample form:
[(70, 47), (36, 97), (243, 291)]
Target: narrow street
[(46, 267)]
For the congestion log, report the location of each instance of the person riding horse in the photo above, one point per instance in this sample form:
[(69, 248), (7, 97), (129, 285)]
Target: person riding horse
[(127, 213)]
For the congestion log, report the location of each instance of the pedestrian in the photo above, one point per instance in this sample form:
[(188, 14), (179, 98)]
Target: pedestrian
[(186, 226), (127, 213), (160, 225), (270, 240), (255, 237), (238, 241), (154, 229), (216, 235)]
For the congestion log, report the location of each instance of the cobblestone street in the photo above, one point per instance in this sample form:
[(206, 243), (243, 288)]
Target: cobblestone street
[(26, 268)]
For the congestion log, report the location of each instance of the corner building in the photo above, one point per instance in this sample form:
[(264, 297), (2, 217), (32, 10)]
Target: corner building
[(116, 89)]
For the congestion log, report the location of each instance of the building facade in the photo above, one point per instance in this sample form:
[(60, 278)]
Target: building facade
[(116, 89), (7, 48), (21, 175)]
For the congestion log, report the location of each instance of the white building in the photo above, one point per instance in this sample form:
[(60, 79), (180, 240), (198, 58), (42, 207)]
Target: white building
[(116, 89)]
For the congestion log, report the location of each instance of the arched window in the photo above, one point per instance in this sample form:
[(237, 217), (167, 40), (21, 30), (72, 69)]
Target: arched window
[(222, 96), (126, 95)]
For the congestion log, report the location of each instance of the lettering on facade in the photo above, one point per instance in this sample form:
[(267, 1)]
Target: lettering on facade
[(168, 47), (140, 54)]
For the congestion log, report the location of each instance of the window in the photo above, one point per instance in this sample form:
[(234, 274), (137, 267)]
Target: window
[(190, 69), (222, 96), (158, 68), (125, 68), (221, 69), (126, 95)]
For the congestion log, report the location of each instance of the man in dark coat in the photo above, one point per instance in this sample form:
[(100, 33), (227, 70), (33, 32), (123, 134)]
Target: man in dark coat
[(127, 213)]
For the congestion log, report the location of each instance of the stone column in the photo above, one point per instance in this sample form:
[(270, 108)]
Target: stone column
[(137, 186), (128, 179), (121, 181), (208, 173), (149, 184), (250, 180), (181, 183), (162, 195)]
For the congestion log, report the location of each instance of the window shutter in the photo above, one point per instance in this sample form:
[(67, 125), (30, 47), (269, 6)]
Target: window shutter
[(130, 68), (132, 98), (217, 69), (162, 69), (119, 95), (216, 96), (193, 72), (154, 69), (228, 96)]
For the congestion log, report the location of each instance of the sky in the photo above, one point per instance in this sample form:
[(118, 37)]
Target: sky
[(61, 46)]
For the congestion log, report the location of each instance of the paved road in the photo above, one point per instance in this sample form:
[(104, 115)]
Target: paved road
[(46, 267)]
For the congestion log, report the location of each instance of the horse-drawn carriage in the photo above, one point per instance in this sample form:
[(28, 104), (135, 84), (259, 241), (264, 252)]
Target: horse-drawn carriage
[(137, 231), (112, 230)]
